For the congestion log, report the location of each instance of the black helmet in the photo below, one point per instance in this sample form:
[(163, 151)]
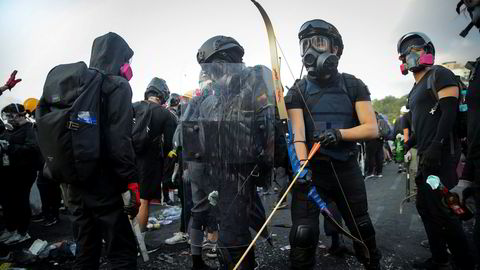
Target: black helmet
[(225, 47), (14, 108), (415, 39), (321, 27), (159, 88), (174, 100)]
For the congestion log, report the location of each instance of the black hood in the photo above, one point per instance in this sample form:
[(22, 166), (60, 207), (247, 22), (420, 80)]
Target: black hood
[(109, 53)]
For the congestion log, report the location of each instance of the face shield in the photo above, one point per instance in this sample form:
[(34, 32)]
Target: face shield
[(227, 139)]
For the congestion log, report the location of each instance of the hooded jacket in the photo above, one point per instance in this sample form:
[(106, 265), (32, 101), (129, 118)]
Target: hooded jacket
[(109, 53)]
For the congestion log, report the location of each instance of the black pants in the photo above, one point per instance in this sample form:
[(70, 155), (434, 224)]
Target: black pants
[(328, 227), (472, 172), (185, 194), (17, 212), (305, 228), (441, 225), (374, 157), (101, 217), (50, 195)]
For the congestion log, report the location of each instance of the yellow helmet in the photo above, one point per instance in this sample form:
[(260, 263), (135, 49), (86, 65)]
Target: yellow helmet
[(30, 104), (188, 94)]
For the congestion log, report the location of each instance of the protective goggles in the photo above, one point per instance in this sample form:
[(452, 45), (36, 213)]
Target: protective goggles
[(407, 50), (319, 43), (8, 116)]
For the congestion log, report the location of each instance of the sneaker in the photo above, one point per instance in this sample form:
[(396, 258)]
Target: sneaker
[(50, 222), (379, 175), (17, 239), (5, 235), (425, 243), (209, 244), (6, 256), (37, 218), (177, 238), (212, 253), (369, 176)]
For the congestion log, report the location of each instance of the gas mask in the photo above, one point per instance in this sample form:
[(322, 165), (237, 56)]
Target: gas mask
[(414, 61), (317, 56), (12, 120)]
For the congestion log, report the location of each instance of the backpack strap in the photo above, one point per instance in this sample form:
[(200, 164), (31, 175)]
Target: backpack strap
[(350, 82), (431, 81)]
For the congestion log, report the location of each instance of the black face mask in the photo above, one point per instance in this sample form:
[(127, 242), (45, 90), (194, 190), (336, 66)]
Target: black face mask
[(320, 65)]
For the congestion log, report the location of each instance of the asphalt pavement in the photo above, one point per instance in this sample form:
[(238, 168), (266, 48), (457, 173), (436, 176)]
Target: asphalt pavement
[(398, 235)]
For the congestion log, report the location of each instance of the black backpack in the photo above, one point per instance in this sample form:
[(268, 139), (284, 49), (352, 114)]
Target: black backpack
[(68, 122), (384, 129), (142, 116), (461, 121)]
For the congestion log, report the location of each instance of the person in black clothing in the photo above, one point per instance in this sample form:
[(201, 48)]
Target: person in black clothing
[(438, 149), (336, 112), (20, 153), (374, 157), (151, 162), (97, 208), (471, 171), (227, 136)]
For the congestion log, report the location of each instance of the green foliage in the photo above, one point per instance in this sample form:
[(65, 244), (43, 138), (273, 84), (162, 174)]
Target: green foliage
[(390, 106)]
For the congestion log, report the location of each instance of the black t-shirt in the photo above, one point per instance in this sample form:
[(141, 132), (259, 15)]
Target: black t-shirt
[(164, 123), (360, 92), (473, 103), (421, 101)]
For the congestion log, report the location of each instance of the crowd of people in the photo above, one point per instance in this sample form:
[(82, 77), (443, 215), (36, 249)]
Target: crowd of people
[(86, 145)]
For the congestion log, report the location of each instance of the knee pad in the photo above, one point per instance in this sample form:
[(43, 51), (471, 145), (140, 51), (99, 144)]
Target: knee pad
[(303, 236)]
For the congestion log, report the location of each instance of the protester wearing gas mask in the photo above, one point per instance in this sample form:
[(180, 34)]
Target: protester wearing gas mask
[(334, 109), (227, 139), (433, 120), (19, 151)]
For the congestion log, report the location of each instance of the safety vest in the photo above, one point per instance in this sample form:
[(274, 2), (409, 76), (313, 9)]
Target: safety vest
[(331, 107)]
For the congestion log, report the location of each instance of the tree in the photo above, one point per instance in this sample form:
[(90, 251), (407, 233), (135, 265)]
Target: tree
[(390, 106)]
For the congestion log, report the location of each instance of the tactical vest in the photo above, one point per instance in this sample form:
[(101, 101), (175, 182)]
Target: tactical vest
[(331, 107)]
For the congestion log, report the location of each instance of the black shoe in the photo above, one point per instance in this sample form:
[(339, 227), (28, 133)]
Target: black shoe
[(429, 264), (50, 222), (338, 251), (37, 218)]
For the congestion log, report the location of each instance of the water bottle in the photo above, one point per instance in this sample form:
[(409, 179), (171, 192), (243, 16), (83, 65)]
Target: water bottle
[(450, 200)]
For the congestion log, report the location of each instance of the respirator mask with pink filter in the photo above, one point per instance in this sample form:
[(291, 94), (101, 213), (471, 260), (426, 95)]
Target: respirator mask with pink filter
[(126, 70), (413, 58)]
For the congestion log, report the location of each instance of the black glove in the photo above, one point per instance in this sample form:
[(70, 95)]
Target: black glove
[(432, 157), (307, 178), (329, 137)]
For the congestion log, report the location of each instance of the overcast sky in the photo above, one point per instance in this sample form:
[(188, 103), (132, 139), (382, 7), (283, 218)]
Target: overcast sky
[(165, 36)]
